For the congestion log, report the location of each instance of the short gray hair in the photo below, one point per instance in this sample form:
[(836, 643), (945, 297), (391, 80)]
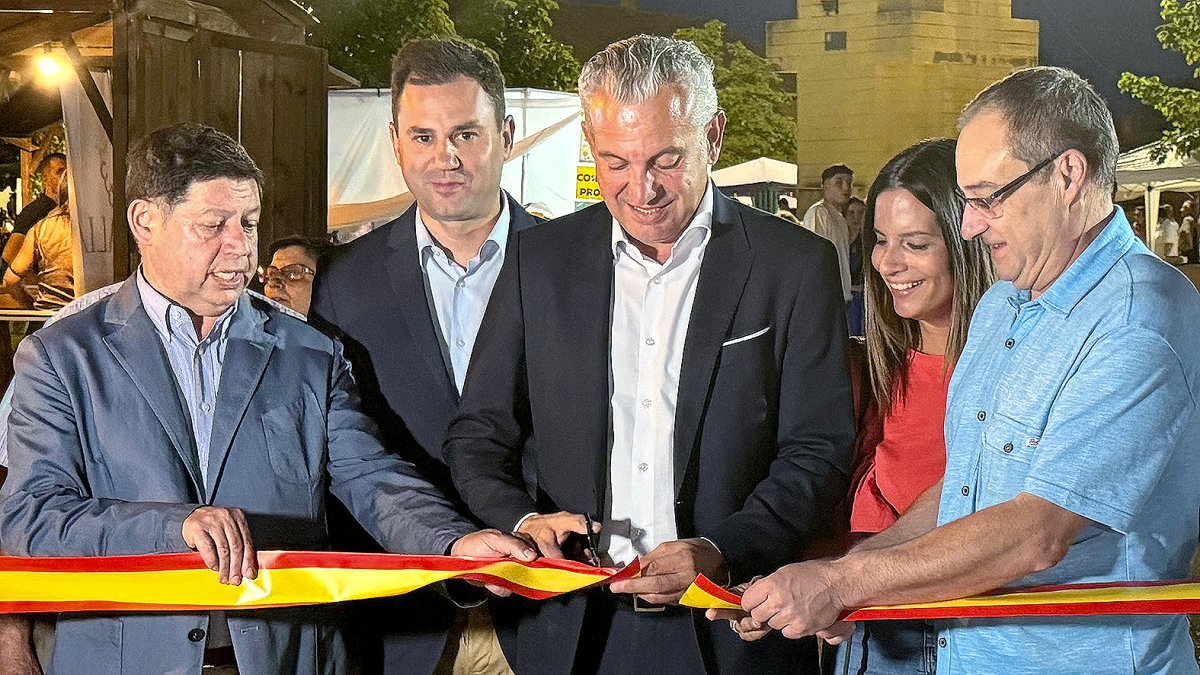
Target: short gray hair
[(1051, 110), (636, 69)]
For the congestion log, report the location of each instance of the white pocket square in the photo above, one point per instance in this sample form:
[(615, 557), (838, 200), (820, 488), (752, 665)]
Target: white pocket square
[(751, 336)]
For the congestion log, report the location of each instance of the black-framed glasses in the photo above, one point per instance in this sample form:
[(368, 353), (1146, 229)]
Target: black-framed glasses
[(285, 274), (990, 206)]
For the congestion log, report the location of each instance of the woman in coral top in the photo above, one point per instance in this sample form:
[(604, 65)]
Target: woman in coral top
[(919, 301)]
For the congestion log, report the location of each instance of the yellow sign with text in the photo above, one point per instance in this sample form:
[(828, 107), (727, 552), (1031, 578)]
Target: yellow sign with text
[(586, 187)]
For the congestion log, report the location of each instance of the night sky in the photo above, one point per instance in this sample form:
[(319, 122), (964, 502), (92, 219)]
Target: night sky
[(1100, 39)]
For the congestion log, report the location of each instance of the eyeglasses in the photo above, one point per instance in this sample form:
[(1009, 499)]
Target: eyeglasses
[(288, 274), (990, 206)]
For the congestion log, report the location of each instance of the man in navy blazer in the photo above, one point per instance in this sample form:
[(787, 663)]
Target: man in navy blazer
[(679, 360), (407, 299), (179, 413)]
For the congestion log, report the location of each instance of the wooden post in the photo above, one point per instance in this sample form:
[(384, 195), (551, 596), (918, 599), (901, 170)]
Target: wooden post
[(88, 84)]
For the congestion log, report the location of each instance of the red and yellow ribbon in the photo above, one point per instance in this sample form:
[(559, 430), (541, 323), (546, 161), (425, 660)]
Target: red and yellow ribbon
[(1156, 597), (181, 581)]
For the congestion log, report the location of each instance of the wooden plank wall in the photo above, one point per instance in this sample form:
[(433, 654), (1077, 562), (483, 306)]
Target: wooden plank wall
[(269, 96)]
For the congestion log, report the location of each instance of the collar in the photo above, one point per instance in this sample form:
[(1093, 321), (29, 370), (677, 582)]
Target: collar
[(159, 308), (494, 245), (701, 223), (1082, 275)]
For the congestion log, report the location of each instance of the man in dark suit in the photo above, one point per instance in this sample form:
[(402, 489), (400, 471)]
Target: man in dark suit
[(679, 361), (180, 413), (408, 298)]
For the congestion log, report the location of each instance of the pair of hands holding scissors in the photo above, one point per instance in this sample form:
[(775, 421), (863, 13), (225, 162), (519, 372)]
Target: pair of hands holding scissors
[(667, 571)]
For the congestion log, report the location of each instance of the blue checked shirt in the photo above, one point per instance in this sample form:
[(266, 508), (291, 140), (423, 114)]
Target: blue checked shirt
[(1085, 397), (196, 363)]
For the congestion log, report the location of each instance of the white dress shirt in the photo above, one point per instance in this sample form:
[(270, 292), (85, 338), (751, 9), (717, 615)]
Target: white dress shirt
[(825, 220), (652, 304), (459, 295)]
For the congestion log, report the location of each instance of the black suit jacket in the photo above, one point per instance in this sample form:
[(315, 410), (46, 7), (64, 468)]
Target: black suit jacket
[(372, 295), (763, 426)]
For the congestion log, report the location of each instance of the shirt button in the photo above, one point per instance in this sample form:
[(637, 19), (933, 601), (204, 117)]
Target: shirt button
[(645, 403), (461, 342), (643, 467), (650, 341), (196, 634), (461, 283), (1008, 447), (205, 407), (966, 490), (657, 281), (1009, 343), (982, 416), (942, 642)]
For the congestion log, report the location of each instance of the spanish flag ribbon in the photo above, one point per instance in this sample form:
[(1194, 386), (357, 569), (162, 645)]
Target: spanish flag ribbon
[(1150, 597), (182, 582)]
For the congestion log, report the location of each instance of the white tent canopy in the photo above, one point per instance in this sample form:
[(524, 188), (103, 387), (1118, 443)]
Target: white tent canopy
[(1139, 175), (761, 170), (367, 187)]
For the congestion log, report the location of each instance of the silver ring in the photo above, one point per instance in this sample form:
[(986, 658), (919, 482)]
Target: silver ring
[(734, 625)]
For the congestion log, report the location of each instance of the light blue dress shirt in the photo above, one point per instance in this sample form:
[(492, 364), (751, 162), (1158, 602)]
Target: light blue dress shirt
[(1085, 397), (459, 295), (195, 363)]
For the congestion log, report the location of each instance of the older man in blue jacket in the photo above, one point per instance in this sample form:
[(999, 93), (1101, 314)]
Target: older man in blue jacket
[(181, 414)]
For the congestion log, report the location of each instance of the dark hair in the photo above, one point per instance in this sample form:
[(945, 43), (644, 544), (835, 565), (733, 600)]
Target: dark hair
[(47, 158), (442, 60), (926, 171), (1050, 110), (315, 246), (164, 164), (835, 170)]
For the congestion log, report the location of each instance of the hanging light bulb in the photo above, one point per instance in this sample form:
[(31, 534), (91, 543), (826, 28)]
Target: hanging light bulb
[(48, 66)]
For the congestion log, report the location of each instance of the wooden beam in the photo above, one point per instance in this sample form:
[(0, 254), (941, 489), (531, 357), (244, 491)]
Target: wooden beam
[(57, 5), (44, 28), (88, 83)]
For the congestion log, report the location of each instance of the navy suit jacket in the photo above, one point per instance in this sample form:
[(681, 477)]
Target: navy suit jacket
[(763, 426), (103, 462), (372, 295)]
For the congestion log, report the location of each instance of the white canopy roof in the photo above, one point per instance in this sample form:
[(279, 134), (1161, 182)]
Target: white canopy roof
[(1137, 173), (761, 170)]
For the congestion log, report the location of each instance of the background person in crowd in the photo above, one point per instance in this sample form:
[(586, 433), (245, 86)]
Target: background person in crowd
[(1167, 237), (53, 170), (47, 252), (408, 299), (856, 210), (93, 392), (1187, 231), (288, 278), (1138, 223), (679, 360), (1070, 456), (925, 283), (828, 217)]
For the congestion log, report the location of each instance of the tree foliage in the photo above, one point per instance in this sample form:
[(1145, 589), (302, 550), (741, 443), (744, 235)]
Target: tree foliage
[(518, 33), (762, 117), (363, 35), (1179, 105)]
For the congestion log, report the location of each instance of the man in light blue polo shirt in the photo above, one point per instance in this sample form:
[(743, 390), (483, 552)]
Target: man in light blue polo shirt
[(1071, 428)]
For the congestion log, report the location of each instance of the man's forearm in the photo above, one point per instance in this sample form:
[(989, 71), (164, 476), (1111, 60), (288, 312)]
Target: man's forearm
[(919, 519), (978, 553)]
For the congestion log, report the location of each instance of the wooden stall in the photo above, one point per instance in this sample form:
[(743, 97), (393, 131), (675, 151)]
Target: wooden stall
[(241, 66)]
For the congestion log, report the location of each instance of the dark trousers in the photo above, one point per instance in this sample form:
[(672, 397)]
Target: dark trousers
[(616, 640)]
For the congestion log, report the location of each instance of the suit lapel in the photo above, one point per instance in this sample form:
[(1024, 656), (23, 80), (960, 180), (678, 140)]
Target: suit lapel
[(723, 274), (247, 351), (137, 347), (409, 294), (589, 324)]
